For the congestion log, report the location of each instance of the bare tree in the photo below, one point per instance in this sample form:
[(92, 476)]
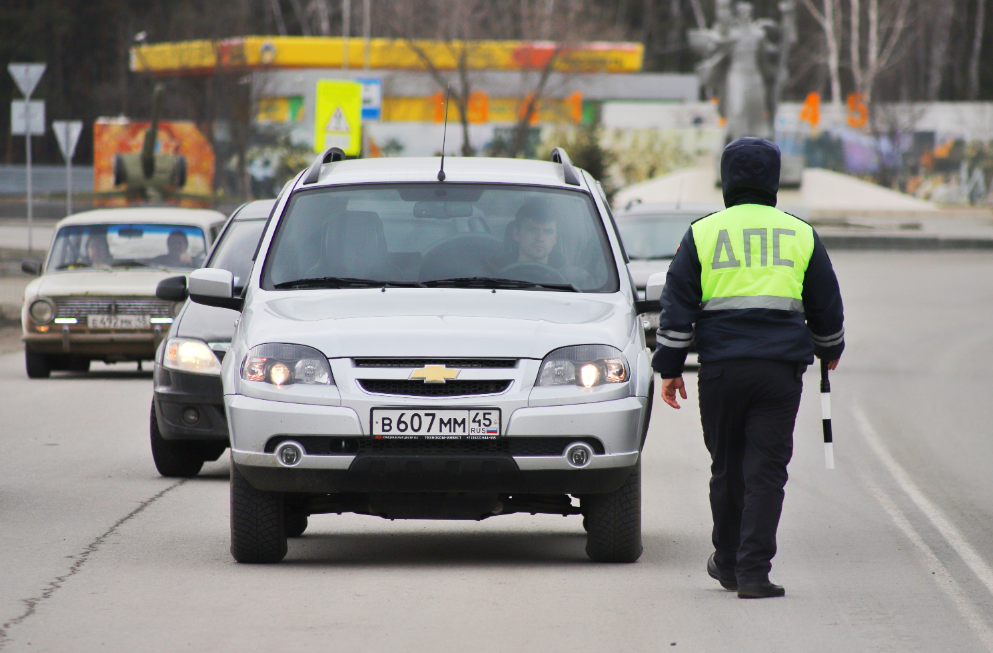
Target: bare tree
[(941, 34), (885, 33), (977, 47), (463, 25), (829, 18)]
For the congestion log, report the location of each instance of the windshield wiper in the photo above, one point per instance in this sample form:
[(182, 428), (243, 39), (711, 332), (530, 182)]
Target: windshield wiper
[(344, 282), (496, 282)]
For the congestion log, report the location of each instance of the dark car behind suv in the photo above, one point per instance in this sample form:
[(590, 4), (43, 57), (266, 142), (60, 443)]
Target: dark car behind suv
[(188, 426)]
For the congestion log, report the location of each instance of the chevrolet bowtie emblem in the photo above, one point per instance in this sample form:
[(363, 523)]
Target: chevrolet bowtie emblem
[(434, 374)]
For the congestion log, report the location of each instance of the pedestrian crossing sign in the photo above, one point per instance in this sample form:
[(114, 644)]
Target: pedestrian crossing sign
[(338, 119)]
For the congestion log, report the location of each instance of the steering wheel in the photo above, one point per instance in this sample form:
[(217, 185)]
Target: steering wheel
[(533, 272)]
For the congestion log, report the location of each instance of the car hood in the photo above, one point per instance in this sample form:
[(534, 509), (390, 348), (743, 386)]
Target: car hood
[(100, 283), (437, 322)]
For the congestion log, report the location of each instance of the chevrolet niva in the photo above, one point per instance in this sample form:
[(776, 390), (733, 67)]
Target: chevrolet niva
[(419, 342)]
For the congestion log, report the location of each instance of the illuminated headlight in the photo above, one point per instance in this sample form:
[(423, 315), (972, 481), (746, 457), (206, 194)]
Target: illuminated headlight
[(583, 365), (42, 311), (190, 356), (283, 365)]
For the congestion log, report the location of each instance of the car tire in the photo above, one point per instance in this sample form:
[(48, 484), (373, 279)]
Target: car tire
[(173, 459), (37, 365), (295, 523), (258, 528), (613, 522)]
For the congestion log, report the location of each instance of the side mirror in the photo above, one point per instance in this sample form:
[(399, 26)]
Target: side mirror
[(653, 292), (214, 287), (653, 289), (172, 289), (31, 266)]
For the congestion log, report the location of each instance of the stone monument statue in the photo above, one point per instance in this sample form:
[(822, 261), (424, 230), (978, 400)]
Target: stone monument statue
[(744, 65)]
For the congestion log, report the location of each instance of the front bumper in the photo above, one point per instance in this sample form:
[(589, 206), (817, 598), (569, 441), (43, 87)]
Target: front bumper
[(175, 391), (108, 346), (615, 426)]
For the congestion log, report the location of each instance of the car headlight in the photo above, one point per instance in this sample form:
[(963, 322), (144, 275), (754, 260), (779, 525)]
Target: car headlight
[(281, 364), (583, 365), (188, 355), (42, 311)]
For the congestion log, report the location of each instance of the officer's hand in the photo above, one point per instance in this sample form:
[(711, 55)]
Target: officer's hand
[(669, 387), (833, 365)]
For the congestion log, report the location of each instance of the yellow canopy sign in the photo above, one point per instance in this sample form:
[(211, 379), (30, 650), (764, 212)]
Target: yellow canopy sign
[(338, 116)]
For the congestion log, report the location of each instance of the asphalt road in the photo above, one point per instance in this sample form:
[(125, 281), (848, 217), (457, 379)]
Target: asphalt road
[(891, 551)]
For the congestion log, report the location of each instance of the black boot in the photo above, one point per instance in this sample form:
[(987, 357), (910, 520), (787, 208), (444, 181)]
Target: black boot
[(759, 589), (728, 582)]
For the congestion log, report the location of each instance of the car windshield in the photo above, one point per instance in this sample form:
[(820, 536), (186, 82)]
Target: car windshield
[(167, 246), (652, 237), (458, 235), (234, 252)]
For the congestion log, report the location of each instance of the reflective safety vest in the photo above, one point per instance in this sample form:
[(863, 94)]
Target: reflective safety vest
[(752, 256)]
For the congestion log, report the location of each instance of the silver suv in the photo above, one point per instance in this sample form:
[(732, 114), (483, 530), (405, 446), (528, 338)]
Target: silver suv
[(416, 345)]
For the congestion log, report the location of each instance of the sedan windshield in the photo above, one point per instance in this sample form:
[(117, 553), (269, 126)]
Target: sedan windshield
[(167, 246), (441, 235), (652, 237)]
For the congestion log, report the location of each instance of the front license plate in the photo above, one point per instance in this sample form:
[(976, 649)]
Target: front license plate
[(400, 423), (118, 322)]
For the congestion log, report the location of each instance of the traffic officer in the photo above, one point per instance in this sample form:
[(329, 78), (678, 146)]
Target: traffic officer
[(755, 288)]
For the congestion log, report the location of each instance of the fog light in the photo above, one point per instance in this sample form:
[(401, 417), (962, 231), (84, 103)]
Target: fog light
[(191, 415), (579, 454), (289, 454)]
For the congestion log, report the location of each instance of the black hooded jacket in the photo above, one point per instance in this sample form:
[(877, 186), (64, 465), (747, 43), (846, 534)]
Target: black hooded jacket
[(750, 170)]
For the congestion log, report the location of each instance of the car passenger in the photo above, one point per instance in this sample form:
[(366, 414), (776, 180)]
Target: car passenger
[(178, 256)]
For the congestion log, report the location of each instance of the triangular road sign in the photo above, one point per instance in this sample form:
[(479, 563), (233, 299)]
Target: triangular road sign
[(26, 75), (337, 123), (67, 134)]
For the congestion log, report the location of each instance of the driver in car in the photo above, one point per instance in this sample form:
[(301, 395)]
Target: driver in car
[(535, 231), (98, 251)]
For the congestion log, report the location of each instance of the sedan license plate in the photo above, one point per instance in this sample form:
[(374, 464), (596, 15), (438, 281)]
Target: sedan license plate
[(428, 424), (118, 322)]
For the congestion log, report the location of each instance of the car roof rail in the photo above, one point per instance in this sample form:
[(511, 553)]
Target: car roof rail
[(571, 176), (329, 155)]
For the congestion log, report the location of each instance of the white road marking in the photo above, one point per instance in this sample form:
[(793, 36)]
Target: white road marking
[(944, 580), (951, 534)]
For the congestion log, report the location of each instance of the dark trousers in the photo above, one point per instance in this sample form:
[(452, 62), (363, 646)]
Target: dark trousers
[(748, 409)]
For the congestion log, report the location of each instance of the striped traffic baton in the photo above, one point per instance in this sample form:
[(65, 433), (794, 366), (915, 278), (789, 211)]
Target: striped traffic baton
[(826, 416)]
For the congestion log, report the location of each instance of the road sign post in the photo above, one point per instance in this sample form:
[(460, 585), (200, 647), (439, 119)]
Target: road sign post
[(26, 76), (67, 134)]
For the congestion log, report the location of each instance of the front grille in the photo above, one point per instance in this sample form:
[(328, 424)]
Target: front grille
[(451, 363), (317, 445), (417, 388), (81, 307)]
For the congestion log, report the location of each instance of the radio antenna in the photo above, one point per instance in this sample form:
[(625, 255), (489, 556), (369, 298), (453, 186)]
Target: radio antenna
[(444, 134)]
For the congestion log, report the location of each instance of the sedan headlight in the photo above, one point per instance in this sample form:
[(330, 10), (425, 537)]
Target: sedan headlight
[(42, 311), (188, 355), (281, 364), (583, 365)]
